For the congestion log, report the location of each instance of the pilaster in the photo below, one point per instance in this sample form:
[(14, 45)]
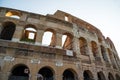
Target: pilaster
[(17, 34)]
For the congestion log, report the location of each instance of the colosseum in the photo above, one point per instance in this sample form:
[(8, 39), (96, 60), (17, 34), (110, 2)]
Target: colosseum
[(55, 46)]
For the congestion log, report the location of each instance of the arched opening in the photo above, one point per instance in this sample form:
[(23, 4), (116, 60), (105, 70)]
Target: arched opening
[(104, 55), (69, 75), (13, 14), (49, 38), (8, 30), (111, 58), (67, 41), (95, 50), (83, 46), (101, 76), (87, 75), (19, 72), (29, 34), (110, 76), (45, 74), (117, 77)]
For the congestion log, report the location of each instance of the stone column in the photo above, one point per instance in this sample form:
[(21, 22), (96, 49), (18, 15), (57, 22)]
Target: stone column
[(100, 55), (90, 51), (58, 40), (23, 17), (107, 54), (39, 37), (114, 61), (59, 67), (17, 34), (75, 43), (76, 46)]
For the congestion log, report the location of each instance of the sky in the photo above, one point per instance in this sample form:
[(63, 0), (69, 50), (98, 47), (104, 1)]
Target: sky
[(103, 14)]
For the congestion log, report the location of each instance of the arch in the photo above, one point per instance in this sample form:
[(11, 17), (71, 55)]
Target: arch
[(8, 30), (69, 74), (29, 33), (104, 55), (111, 58), (101, 76), (110, 76), (13, 14), (45, 73), (49, 38), (19, 71), (94, 49), (67, 41), (88, 75), (117, 77), (83, 46)]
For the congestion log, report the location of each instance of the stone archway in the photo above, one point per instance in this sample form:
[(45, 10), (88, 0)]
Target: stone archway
[(8, 30), (19, 72), (87, 75), (68, 74), (101, 76), (45, 73), (110, 77)]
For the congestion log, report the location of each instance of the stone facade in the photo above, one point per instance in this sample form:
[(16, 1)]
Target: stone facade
[(76, 50)]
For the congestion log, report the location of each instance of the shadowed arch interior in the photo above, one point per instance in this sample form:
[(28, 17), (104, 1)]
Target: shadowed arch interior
[(8, 30), (46, 73), (101, 76), (68, 75), (20, 72), (87, 75), (110, 76)]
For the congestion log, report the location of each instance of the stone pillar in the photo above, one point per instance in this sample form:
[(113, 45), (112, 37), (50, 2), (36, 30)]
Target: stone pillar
[(90, 51), (39, 37), (58, 40), (109, 60), (95, 76), (76, 46), (75, 43), (59, 67), (100, 55), (114, 60), (58, 75), (17, 34), (23, 17)]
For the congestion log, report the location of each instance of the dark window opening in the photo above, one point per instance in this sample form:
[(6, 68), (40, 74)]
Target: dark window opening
[(20, 72), (110, 76), (87, 75), (68, 75), (101, 76), (83, 46), (7, 31), (104, 55), (46, 73)]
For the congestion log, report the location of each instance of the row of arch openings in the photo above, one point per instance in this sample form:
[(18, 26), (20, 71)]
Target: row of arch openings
[(49, 38), (22, 72), (30, 32)]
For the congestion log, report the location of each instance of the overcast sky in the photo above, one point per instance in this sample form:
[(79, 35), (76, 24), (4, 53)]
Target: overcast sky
[(103, 14)]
